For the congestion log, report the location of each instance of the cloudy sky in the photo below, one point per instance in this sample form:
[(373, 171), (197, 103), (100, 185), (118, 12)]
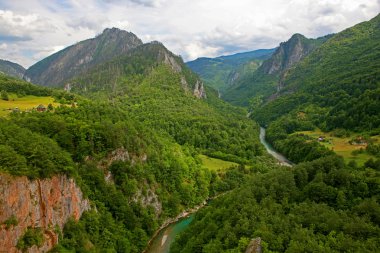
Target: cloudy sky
[(33, 29)]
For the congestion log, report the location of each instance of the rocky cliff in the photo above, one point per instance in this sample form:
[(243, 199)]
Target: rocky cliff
[(76, 59), (41, 203), (289, 53)]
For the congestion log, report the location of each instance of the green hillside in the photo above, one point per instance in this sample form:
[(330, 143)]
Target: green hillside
[(224, 71), (338, 83), (326, 202), (147, 140), (143, 106), (263, 83)]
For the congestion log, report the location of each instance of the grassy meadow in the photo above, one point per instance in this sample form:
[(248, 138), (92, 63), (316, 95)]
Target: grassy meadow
[(24, 103), (341, 145), (215, 164)]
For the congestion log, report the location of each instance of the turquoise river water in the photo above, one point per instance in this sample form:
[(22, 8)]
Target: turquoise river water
[(162, 241)]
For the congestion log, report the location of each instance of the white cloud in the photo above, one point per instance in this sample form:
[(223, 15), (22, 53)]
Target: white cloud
[(34, 29)]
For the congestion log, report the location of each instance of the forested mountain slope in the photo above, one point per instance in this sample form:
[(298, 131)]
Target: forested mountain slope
[(108, 77), (224, 71), (76, 59), (340, 80), (132, 144), (268, 78), (322, 204)]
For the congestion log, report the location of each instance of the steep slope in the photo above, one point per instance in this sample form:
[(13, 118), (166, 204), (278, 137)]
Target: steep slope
[(290, 53), (341, 78), (76, 59), (140, 61), (316, 205), (133, 145), (222, 72), (11, 69), (268, 77), (44, 205)]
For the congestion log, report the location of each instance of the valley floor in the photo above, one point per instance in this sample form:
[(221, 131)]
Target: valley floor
[(342, 146)]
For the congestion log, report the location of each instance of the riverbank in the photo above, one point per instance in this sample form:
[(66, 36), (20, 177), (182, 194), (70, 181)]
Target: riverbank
[(171, 221), (281, 159)]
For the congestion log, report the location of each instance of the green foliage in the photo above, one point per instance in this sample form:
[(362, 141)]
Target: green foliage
[(4, 95), (373, 149), (26, 153), (224, 71), (13, 85), (320, 206), (32, 236), (341, 76), (11, 221), (270, 75), (158, 128)]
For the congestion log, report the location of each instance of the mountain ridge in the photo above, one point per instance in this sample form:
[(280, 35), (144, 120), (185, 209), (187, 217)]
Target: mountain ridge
[(267, 79), (73, 60), (12, 69), (223, 71)]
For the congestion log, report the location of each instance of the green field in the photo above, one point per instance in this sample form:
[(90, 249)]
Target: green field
[(25, 103), (341, 145), (216, 164)]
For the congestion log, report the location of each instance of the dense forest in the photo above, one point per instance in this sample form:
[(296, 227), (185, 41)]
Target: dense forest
[(323, 204), (131, 129), (157, 125), (318, 206)]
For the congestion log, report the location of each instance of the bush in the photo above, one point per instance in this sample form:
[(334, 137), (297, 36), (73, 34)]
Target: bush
[(4, 95), (11, 221), (32, 236)]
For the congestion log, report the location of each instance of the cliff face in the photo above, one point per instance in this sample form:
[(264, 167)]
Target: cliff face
[(76, 59), (288, 54), (46, 203)]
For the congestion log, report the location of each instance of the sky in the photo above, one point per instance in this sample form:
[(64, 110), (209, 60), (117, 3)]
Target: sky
[(31, 30)]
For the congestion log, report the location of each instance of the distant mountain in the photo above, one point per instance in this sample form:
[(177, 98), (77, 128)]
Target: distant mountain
[(268, 77), (337, 85), (222, 72), (140, 61), (76, 59), (290, 53), (11, 69)]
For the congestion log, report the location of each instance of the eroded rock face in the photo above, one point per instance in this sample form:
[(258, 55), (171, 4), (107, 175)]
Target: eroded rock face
[(288, 54), (148, 199), (254, 246), (199, 90), (44, 203)]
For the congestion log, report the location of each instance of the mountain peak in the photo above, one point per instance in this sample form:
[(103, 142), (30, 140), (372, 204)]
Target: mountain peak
[(110, 32), (76, 59), (290, 53), (297, 36)]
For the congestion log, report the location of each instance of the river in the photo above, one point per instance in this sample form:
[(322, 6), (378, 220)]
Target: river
[(282, 159), (162, 241)]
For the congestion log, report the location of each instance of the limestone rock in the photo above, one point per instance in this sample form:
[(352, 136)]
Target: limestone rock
[(43, 203)]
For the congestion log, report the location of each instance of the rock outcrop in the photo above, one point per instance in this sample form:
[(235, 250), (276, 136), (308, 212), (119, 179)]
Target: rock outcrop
[(41, 203), (288, 54), (74, 60), (199, 90), (254, 246)]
